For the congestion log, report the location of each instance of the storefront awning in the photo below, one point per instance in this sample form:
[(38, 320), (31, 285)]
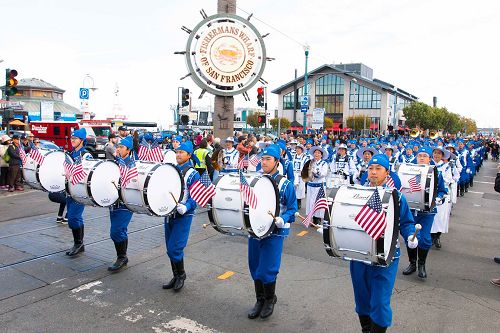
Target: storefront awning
[(17, 122)]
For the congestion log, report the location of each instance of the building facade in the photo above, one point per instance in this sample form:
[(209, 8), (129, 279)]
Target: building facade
[(344, 91)]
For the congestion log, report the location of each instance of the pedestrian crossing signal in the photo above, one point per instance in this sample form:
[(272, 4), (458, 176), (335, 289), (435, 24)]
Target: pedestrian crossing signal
[(185, 97), (261, 119)]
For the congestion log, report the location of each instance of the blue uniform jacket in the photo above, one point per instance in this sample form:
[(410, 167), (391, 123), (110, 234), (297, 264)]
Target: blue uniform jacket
[(288, 205), (187, 200)]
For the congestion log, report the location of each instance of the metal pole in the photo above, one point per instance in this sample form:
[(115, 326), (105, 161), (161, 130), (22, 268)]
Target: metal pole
[(394, 121), (265, 110), (279, 123), (306, 49), (295, 97), (178, 109)]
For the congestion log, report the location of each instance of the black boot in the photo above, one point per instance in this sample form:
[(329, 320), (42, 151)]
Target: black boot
[(181, 276), (377, 329), (437, 241), (121, 256), (412, 267), (270, 300), (462, 189), (299, 203), (78, 242), (466, 187), (422, 256), (366, 323), (171, 284), (259, 293), (471, 182), (433, 238)]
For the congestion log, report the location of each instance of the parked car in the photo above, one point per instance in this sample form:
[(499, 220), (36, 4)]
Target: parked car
[(45, 144)]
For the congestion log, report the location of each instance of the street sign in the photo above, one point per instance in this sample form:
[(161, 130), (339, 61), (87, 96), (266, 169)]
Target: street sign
[(304, 101), (304, 108), (84, 93)]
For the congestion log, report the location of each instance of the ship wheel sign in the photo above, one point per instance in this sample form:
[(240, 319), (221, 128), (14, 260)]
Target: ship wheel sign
[(225, 55)]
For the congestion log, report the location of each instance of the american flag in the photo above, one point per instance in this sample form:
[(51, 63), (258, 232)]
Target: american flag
[(150, 152), (127, 172), (248, 195), (321, 203), (68, 166), (36, 156), (254, 160), (78, 174), (414, 183), (22, 155), (371, 218), (243, 163), (202, 190)]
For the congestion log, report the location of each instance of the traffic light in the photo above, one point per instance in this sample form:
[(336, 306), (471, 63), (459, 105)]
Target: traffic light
[(260, 96), (261, 119), (185, 97), (184, 119), (10, 82)]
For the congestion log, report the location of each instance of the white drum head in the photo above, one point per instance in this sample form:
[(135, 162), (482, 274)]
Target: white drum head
[(267, 201), (102, 189), (169, 157), (226, 214), (389, 229), (51, 172), (162, 181)]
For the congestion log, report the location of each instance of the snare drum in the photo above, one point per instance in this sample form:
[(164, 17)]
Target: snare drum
[(230, 215), (49, 176), (100, 186), (425, 199), (335, 180), (345, 239), (169, 157), (151, 192)]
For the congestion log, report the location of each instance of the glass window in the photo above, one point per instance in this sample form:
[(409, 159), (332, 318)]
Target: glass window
[(361, 97), (330, 94)]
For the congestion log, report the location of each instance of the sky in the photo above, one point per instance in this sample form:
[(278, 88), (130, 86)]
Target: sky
[(448, 49)]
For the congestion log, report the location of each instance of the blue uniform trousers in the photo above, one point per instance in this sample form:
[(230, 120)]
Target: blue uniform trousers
[(424, 235), (264, 258), (120, 217), (176, 235), (373, 289), (75, 212)]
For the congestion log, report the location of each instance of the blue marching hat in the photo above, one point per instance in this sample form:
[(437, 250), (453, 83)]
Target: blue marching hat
[(80, 134), (187, 146), (361, 151), (127, 142), (446, 152), (324, 153), (425, 149), (380, 159), (177, 138), (272, 150)]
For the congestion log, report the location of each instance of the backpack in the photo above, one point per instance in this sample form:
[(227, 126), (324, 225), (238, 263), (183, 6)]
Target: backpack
[(6, 156)]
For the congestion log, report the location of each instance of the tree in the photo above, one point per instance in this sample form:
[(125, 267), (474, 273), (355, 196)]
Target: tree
[(285, 123), (253, 121), (418, 114), (358, 122), (468, 125), (328, 123)]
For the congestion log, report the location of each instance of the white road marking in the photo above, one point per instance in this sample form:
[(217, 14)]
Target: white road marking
[(184, 325), (477, 181), (476, 192), (86, 286), (58, 281)]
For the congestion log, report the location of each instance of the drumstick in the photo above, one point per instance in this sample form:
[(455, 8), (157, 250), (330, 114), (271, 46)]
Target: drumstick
[(115, 185), (270, 213), (205, 225), (417, 228), (175, 200)]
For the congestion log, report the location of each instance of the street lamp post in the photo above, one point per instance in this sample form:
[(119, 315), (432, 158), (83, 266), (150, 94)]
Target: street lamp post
[(92, 87), (394, 119), (355, 101), (306, 52)]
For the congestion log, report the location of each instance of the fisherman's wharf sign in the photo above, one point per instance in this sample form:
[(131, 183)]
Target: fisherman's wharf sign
[(225, 55)]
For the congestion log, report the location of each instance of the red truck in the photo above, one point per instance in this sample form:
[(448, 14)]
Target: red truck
[(59, 132)]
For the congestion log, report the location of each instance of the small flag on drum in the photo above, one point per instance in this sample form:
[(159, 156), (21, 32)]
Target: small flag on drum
[(254, 160), (321, 203), (68, 166), (127, 172), (36, 156), (371, 218), (414, 183), (202, 190), (248, 195), (243, 163), (150, 152), (78, 174), (22, 155)]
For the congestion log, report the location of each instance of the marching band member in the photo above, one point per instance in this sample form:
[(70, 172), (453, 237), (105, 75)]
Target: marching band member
[(230, 157), (342, 164), (300, 158), (352, 152), (407, 156), (119, 215), (465, 161), (319, 172), (286, 161), (456, 168), (177, 226), (75, 209), (475, 163), (364, 154), (425, 219), (442, 218), (391, 152), (327, 148), (264, 255), (373, 284)]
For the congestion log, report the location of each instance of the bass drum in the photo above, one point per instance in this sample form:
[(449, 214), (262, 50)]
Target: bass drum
[(425, 199), (48, 176), (335, 180), (345, 239), (151, 192), (169, 157), (230, 215), (100, 186)]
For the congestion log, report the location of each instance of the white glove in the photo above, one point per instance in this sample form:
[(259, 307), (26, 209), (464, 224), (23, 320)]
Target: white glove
[(280, 223), (320, 230), (412, 244), (181, 209), (439, 201)]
